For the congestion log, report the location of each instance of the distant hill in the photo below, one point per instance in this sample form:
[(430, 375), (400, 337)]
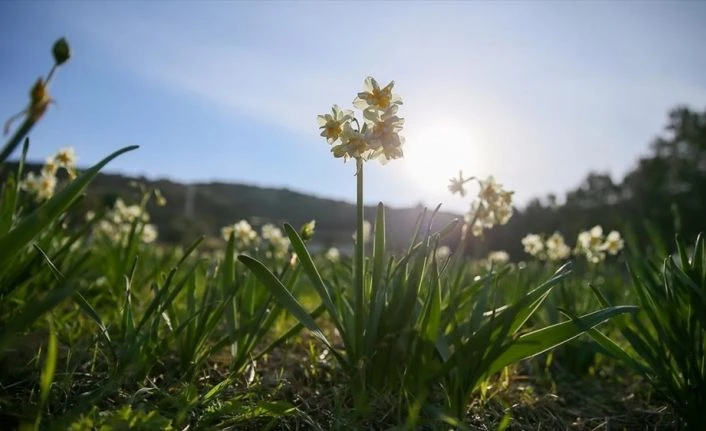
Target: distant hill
[(217, 204)]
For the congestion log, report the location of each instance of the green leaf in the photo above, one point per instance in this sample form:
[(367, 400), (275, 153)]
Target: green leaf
[(544, 339), (285, 298), (29, 227)]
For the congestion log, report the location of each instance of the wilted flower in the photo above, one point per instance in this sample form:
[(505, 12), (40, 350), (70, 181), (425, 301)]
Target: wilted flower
[(374, 97)]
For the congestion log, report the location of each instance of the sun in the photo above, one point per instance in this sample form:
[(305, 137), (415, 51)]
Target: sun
[(436, 152)]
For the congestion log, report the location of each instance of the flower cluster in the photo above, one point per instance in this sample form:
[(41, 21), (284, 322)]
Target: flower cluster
[(119, 221), (554, 248), (278, 245), (245, 236), (590, 243), (43, 186), (377, 136), (496, 258), (594, 246), (492, 206), (271, 239)]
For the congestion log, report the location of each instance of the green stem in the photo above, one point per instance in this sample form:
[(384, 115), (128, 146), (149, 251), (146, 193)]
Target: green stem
[(14, 142), (359, 262)]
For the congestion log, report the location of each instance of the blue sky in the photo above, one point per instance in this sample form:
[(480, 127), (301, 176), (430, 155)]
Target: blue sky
[(534, 93)]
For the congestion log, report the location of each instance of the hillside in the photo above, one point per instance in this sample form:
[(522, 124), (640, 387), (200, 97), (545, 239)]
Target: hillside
[(218, 204)]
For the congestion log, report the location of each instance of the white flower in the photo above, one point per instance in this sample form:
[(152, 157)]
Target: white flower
[(442, 252), (374, 97), (556, 247), (383, 136), (244, 234), (46, 187), (270, 232), (66, 158), (366, 232), (31, 183), (332, 254), (149, 233), (533, 245), (332, 124), (613, 243), (498, 257)]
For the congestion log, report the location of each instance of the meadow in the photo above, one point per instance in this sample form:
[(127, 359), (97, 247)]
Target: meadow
[(103, 327)]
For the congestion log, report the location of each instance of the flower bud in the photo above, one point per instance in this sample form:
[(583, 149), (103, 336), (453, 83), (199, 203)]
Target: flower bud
[(61, 51), (307, 231)]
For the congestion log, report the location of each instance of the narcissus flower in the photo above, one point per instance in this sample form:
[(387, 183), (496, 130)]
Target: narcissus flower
[(333, 255), (498, 257), (331, 125), (376, 136), (374, 97), (557, 248), (613, 243), (534, 245), (51, 167), (66, 158), (384, 137)]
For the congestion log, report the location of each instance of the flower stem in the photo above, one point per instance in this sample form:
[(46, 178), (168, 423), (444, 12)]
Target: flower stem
[(359, 261)]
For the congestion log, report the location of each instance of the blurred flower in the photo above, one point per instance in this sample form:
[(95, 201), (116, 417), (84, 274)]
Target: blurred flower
[(613, 243), (333, 255), (557, 248), (457, 184), (307, 230), (90, 215), (366, 232), (374, 97), (498, 257), (442, 252), (589, 243), (50, 166), (149, 233), (270, 232), (66, 158), (46, 187), (245, 236), (493, 205), (31, 183), (534, 245)]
